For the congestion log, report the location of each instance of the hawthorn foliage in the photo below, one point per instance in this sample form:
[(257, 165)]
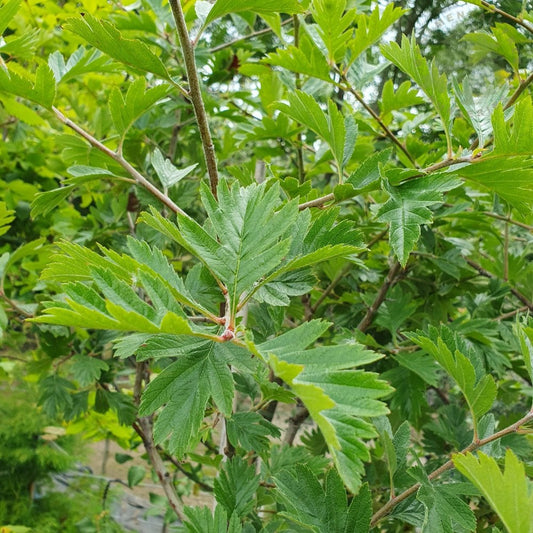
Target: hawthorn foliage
[(220, 221)]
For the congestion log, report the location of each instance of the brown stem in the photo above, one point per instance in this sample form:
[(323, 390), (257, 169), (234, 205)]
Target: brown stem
[(317, 202), (490, 275), (506, 253), (347, 87), (493, 9), (143, 427), (137, 176), (506, 219), (246, 37), (295, 423), (390, 280), (387, 508), (510, 314), (196, 94)]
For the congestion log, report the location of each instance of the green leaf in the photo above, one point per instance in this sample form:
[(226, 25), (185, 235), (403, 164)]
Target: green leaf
[(251, 431), (408, 208), (510, 177), (321, 508), (105, 37), (87, 370), (223, 7), (55, 395), (42, 91), (335, 394), (369, 172), (507, 492), (7, 12), (6, 217), (44, 202), (184, 388), (513, 137), (339, 133), (307, 59), (479, 109), (409, 59), (168, 174), (201, 520), (334, 26), (135, 475), (479, 394), (125, 111), (235, 487), (370, 28), (404, 96)]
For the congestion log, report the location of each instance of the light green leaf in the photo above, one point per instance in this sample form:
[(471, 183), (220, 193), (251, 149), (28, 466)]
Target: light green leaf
[(409, 59), (509, 176), (408, 208), (7, 12), (335, 26), (6, 217), (223, 7), (331, 127), (371, 27), (507, 492), (404, 96), (514, 137), (42, 91), (306, 59), (126, 110), (44, 202), (168, 174), (335, 394), (105, 37)]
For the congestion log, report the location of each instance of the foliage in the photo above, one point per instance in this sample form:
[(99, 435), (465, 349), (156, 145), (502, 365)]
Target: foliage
[(360, 262)]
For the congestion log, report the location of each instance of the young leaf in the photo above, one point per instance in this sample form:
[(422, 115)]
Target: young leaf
[(335, 394), (409, 59), (42, 91), (125, 111), (168, 174), (507, 492), (335, 27), (408, 208), (371, 27), (6, 217)]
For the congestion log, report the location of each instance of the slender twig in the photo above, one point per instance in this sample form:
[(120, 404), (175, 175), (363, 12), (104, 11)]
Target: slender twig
[(319, 202), (137, 176), (196, 94), (506, 252), (390, 280), (14, 306), (295, 423), (245, 37), (506, 219), (520, 89), (345, 85), (513, 428), (143, 427), (510, 314), (493, 9), (485, 273)]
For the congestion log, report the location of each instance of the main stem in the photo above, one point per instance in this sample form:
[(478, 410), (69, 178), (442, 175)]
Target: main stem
[(196, 95)]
